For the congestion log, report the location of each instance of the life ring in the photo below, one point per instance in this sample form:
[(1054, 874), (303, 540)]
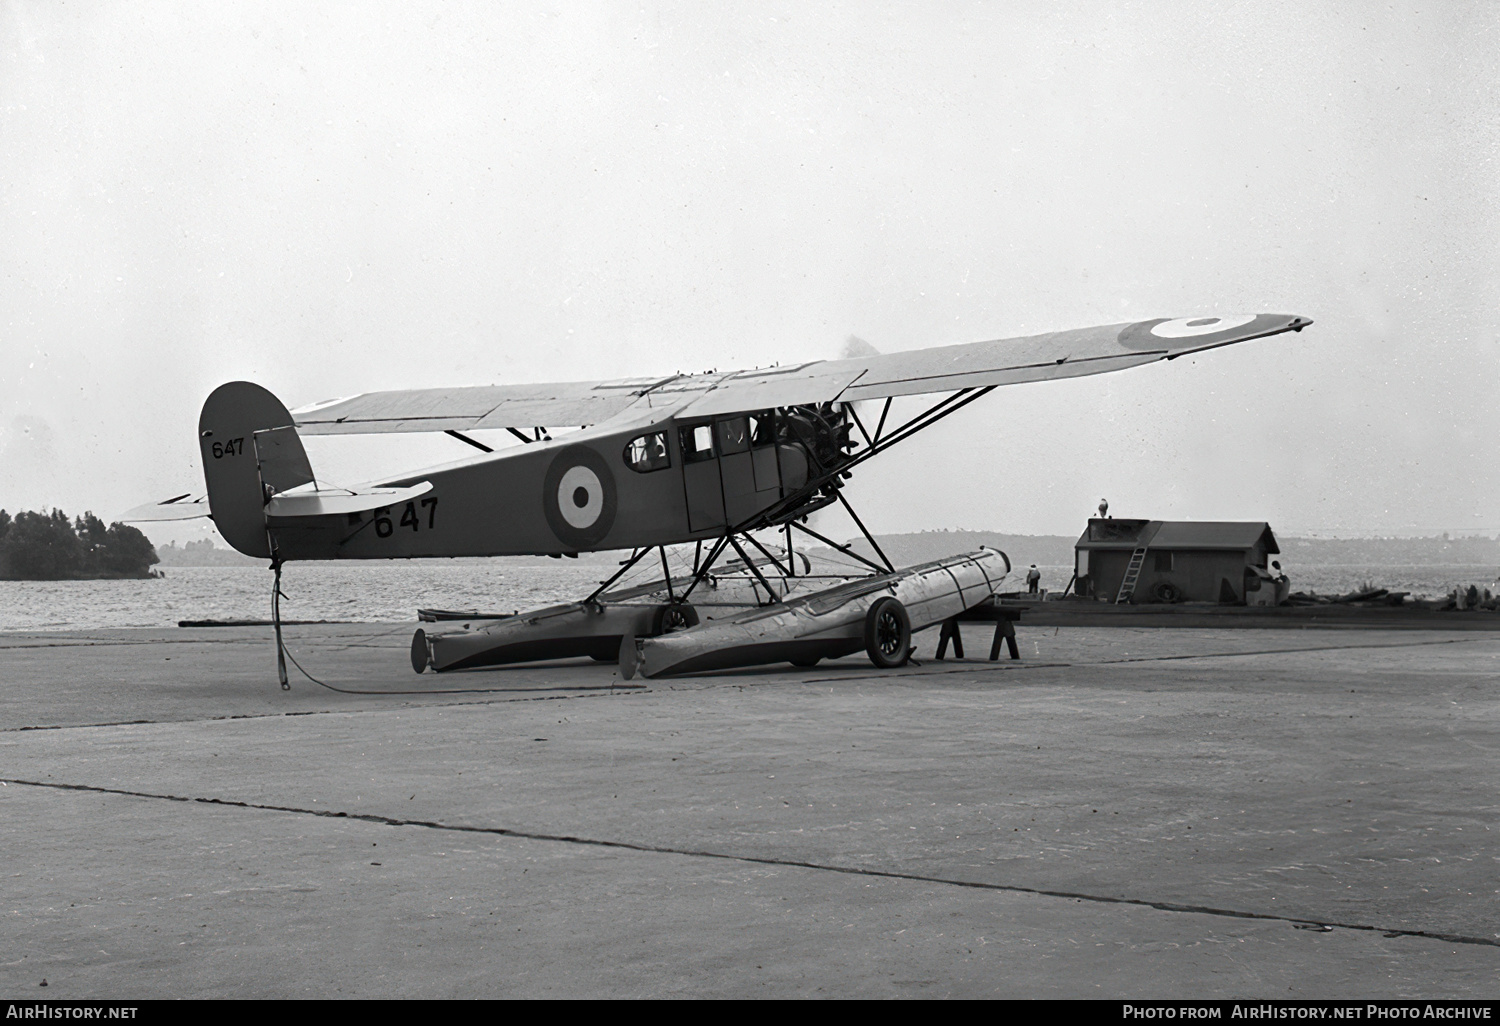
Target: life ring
[(1166, 591)]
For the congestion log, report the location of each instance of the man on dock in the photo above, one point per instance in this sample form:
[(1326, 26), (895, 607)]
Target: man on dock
[(1033, 578)]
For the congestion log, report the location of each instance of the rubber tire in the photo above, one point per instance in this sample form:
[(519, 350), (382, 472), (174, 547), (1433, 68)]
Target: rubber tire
[(1166, 591), (672, 617), (887, 617)]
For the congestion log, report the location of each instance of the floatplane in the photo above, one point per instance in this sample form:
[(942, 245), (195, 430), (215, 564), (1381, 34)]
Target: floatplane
[(714, 461)]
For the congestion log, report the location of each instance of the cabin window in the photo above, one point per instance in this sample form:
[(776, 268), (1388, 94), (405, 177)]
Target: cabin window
[(697, 443), (734, 435), (648, 452), (762, 428), (1163, 562)]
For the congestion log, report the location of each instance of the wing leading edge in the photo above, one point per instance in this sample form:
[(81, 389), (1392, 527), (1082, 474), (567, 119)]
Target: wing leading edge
[(1060, 354)]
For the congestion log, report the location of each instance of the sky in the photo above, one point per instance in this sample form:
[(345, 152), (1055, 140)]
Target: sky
[(328, 199)]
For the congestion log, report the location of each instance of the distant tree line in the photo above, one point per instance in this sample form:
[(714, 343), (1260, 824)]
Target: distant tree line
[(50, 547), (1057, 550), (203, 552)]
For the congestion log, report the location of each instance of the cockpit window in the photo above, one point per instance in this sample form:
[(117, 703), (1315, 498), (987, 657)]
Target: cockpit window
[(762, 428), (648, 452), (734, 435), (697, 443)]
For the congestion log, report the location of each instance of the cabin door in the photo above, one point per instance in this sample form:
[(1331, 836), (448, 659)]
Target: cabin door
[(700, 477), (736, 469)]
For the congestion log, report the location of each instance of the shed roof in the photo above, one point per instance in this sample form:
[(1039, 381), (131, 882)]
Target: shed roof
[(1177, 534)]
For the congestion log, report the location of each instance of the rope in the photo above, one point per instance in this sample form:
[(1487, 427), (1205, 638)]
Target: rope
[(283, 654)]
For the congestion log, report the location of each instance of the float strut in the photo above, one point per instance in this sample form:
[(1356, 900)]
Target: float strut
[(666, 574), (632, 561), (754, 569), (714, 551)]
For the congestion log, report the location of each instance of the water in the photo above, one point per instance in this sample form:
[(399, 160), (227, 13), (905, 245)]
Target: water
[(387, 592), (373, 592)]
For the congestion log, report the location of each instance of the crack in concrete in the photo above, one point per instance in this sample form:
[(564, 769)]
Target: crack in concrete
[(1301, 922), (985, 665), (601, 691), (118, 644), (1280, 651)]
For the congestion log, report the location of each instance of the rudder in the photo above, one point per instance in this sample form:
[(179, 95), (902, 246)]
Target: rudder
[(251, 452)]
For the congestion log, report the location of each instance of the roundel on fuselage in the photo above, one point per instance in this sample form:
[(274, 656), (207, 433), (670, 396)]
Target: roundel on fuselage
[(579, 497)]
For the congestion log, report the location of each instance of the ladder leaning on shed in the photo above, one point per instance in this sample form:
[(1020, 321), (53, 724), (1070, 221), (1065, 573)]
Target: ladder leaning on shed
[(1132, 574)]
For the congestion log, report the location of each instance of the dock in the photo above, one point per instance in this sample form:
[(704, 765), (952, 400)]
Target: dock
[(1300, 810)]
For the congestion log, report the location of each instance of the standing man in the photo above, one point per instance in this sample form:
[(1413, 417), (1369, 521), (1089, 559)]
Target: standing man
[(1033, 578)]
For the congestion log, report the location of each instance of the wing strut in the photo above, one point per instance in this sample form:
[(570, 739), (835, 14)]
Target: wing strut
[(465, 438), (860, 424), (952, 404), (865, 531), (883, 411), (846, 550)]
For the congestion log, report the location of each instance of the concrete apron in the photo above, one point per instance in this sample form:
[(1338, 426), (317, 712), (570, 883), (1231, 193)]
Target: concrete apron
[(1098, 819)]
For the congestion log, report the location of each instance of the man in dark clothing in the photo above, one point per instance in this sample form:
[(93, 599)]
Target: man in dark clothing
[(1033, 578)]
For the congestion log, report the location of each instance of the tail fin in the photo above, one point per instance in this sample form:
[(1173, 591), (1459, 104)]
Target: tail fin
[(250, 452)]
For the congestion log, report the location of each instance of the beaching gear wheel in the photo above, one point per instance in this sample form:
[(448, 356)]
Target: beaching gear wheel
[(672, 617), (579, 497), (888, 633)]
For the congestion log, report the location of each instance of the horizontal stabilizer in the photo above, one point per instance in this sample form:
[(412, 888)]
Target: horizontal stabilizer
[(341, 500), (180, 508)]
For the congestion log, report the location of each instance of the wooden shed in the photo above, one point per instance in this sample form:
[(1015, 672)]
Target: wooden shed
[(1176, 561)]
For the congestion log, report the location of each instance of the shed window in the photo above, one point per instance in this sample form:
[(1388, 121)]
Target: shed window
[(648, 452), (1163, 562)]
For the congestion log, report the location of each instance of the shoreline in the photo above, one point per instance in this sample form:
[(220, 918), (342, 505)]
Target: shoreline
[(1104, 614)]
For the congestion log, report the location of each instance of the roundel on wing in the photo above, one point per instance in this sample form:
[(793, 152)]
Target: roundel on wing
[(579, 497), (1203, 332), (1192, 327)]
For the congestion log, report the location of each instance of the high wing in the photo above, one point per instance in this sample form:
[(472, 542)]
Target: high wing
[(568, 403), (1061, 354)]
